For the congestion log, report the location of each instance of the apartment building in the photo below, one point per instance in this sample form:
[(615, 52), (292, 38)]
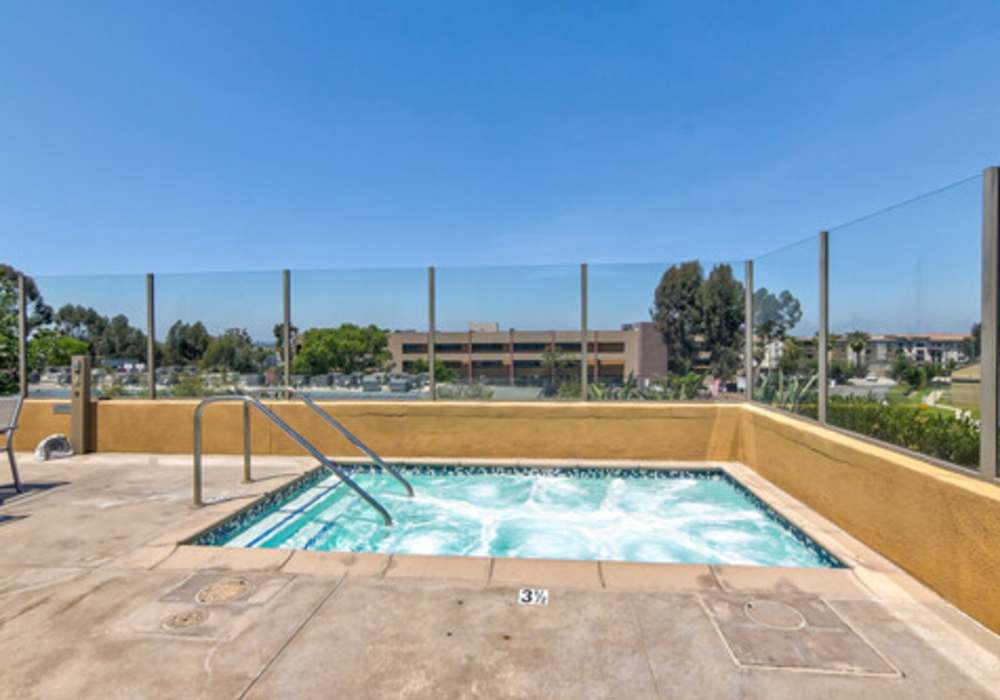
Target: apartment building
[(939, 348), (489, 355), (881, 349)]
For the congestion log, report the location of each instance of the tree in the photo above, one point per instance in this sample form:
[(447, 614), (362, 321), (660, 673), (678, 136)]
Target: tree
[(721, 303), (121, 341), (701, 319), (279, 336), (839, 371), (8, 338), (81, 322), (792, 357), (347, 348), (38, 314), (906, 371), (556, 365), (973, 344), (775, 315), (50, 348), (442, 372), (233, 351), (109, 338), (857, 341), (677, 314), (186, 344)]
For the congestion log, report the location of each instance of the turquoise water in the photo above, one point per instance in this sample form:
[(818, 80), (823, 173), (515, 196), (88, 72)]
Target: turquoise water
[(583, 515)]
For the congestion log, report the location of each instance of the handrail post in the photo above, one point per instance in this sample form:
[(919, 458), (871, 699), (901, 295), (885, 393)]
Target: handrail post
[(287, 430), (247, 478), (351, 437), (988, 466), (823, 339), (748, 330)]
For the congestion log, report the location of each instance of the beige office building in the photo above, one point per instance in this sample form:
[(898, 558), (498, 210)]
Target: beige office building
[(492, 356)]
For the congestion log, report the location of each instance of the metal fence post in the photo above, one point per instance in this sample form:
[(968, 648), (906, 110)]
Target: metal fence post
[(583, 331), (431, 331), (824, 325), (286, 331), (151, 334), (247, 444), (988, 466), (22, 336), (748, 330)]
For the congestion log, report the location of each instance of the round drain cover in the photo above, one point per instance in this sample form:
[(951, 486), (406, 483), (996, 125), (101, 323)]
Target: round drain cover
[(183, 620), (771, 613), (225, 590)]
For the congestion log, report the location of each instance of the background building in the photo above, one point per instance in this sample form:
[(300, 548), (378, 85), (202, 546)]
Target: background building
[(492, 356), (937, 348)]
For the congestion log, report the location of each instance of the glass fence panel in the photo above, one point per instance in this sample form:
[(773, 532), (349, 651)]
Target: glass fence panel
[(904, 324), (361, 334), (666, 331), (217, 332), (10, 371), (786, 327), (508, 333), (103, 316)]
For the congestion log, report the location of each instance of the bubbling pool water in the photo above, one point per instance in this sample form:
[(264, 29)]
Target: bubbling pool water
[(687, 518)]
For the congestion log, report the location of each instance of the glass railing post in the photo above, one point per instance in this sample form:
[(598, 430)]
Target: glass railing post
[(151, 334), (431, 332), (988, 466), (583, 332), (748, 330), (22, 335), (247, 445), (286, 331), (822, 339)]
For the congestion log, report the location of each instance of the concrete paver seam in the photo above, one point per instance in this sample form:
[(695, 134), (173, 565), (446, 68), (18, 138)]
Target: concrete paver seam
[(291, 638)]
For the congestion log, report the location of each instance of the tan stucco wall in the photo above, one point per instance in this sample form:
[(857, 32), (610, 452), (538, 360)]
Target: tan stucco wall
[(942, 527), (444, 429), (38, 420)]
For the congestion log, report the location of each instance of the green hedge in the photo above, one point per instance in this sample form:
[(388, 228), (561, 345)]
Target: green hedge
[(951, 438)]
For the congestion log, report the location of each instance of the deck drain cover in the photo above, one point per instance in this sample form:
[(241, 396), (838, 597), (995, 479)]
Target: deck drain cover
[(184, 620), (785, 631), (774, 614), (225, 590)]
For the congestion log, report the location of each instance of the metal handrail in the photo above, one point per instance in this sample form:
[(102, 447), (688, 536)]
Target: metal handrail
[(287, 429), (330, 420)]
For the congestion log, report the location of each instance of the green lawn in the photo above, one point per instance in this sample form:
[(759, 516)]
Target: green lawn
[(904, 395)]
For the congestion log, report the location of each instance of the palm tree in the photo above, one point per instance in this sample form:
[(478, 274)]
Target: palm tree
[(857, 341)]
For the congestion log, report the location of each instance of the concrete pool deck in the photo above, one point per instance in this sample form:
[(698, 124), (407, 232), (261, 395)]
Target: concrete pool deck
[(98, 600)]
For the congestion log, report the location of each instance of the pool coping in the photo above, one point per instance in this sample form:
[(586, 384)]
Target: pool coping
[(865, 573)]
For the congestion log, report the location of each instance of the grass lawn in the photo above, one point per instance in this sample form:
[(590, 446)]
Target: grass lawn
[(903, 394)]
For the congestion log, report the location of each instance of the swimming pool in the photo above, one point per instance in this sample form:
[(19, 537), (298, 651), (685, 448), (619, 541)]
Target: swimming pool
[(642, 515)]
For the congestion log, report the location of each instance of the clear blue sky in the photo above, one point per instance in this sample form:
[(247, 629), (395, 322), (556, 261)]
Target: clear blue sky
[(174, 137)]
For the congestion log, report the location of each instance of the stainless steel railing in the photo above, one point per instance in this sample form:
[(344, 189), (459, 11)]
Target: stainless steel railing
[(333, 422), (285, 428)]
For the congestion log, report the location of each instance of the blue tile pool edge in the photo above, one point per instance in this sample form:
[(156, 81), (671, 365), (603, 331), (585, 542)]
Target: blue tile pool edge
[(219, 533)]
